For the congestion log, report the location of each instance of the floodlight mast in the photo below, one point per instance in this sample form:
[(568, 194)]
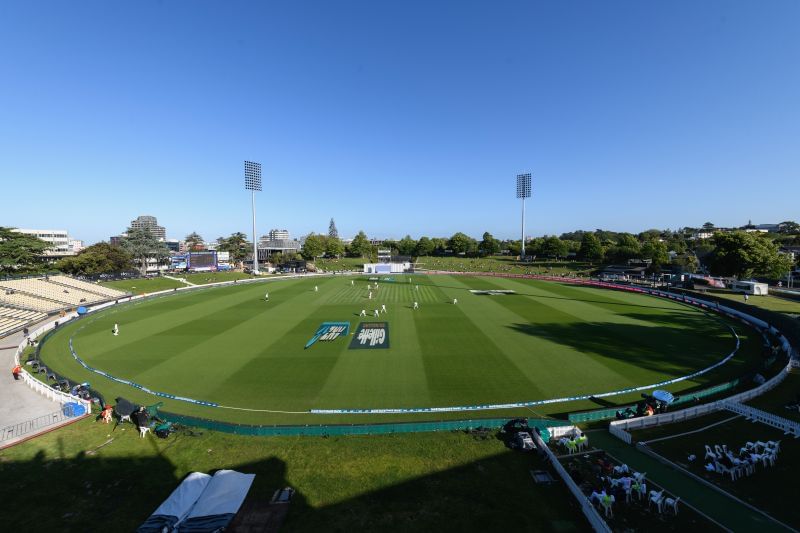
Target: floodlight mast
[(523, 191), (252, 183)]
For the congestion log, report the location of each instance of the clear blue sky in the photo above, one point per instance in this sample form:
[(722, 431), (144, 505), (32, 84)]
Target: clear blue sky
[(396, 117)]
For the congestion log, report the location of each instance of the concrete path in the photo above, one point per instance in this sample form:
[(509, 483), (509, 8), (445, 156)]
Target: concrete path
[(18, 402), (182, 280)]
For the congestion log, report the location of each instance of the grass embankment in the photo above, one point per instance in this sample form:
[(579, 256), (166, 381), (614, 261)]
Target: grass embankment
[(143, 285), (769, 302), (90, 477), (503, 265)]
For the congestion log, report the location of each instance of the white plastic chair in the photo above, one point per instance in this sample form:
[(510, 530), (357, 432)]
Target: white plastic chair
[(657, 497), (606, 502), (143, 430), (672, 502), (709, 453)]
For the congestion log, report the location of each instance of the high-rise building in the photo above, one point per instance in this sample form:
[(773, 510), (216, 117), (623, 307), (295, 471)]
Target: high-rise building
[(58, 239), (278, 235), (150, 223)]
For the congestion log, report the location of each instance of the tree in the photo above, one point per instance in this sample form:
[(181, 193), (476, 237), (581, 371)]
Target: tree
[(333, 233), (461, 243), (360, 247), (194, 241), (424, 247), (406, 245), (314, 246), (708, 226), (489, 245), (439, 245), (554, 247), (744, 255), (591, 250), (236, 245), (20, 253), (143, 247), (515, 247), (656, 252), (789, 227), (334, 247), (100, 258)]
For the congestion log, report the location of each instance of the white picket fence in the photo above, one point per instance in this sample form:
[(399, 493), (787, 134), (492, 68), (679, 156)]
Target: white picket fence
[(621, 428), (788, 427), (42, 388), (589, 510)]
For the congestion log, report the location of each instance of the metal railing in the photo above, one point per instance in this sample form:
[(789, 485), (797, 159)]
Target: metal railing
[(789, 427), (33, 425)]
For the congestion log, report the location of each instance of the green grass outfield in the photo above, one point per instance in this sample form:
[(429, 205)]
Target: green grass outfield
[(92, 477), (549, 340)]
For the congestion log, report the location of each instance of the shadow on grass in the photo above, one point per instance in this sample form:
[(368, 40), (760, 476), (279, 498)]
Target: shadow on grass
[(90, 492)]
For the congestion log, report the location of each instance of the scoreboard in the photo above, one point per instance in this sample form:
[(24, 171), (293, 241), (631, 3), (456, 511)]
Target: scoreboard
[(201, 261)]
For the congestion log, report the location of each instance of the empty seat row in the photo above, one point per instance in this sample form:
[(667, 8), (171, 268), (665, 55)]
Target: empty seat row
[(30, 302), (22, 314), (51, 291), (9, 324), (86, 286)]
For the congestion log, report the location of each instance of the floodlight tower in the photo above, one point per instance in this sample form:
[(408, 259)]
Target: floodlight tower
[(523, 191), (252, 182)]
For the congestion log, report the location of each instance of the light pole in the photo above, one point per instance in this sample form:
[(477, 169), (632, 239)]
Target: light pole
[(252, 183), (523, 191)]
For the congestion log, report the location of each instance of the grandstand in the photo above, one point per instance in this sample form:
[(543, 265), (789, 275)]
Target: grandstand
[(25, 301)]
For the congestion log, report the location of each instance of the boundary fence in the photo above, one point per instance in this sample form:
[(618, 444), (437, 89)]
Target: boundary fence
[(789, 427), (545, 426)]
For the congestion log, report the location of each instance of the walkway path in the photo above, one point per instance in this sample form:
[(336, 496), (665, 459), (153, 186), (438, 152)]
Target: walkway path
[(726, 511), (18, 402), (182, 280)]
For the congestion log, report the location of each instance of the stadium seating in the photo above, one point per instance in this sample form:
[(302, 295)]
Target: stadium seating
[(29, 302), (21, 314), (52, 291), (86, 286), (7, 325)]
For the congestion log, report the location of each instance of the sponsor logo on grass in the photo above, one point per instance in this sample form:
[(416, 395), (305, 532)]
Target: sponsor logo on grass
[(493, 292), (329, 331), (371, 335)]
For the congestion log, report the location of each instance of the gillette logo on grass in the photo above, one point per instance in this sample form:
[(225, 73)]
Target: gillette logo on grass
[(371, 335), (329, 331)]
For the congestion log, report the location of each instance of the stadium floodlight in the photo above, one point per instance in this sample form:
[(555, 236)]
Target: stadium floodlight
[(252, 183), (523, 191)]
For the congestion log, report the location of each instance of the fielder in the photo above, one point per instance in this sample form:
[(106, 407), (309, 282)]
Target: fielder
[(266, 296), (455, 301), (115, 331), (370, 295), (383, 308), (375, 313), (352, 282), (316, 289), (416, 305), (363, 312)]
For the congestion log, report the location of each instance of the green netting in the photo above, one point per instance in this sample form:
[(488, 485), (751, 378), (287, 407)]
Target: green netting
[(606, 414), (358, 429)]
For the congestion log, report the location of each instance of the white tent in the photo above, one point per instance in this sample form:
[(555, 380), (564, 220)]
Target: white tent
[(178, 505), (219, 502)]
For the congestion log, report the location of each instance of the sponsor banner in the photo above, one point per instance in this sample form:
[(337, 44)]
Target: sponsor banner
[(329, 331), (493, 292), (371, 335)]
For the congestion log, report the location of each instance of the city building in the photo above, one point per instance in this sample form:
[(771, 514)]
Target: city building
[(75, 245), (58, 239), (277, 241), (150, 223), (278, 235)]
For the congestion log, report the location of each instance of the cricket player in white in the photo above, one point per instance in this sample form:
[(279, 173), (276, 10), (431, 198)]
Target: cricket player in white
[(266, 296), (416, 305), (455, 301), (352, 282), (375, 313), (115, 331), (370, 295), (316, 289), (363, 312), (383, 308)]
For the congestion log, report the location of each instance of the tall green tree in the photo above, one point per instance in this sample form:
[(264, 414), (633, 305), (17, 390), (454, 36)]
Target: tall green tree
[(334, 247), (489, 245), (424, 247), (100, 258), (591, 250), (461, 243), (333, 233), (143, 246), (553, 247), (790, 227), (236, 245), (21, 253), (744, 255), (314, 246), (360, 247), (406, 245)]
